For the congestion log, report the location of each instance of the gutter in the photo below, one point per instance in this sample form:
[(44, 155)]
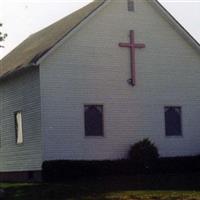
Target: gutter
[(17, 70)]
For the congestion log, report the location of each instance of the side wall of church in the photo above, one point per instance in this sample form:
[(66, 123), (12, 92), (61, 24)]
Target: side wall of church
[(90, 68), (20, 92)]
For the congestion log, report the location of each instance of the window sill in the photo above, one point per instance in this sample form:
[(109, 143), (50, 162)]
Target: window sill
[(94, 137), (173, 136)]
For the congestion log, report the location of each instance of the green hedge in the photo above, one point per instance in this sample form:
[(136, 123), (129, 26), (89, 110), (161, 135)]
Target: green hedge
[(63, 170), (185, 164)]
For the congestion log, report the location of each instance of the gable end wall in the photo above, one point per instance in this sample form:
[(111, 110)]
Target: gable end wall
[(90, 68)]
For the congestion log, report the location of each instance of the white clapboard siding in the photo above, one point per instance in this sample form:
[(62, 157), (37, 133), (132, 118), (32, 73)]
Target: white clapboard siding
[(20, 93), (89, 67)]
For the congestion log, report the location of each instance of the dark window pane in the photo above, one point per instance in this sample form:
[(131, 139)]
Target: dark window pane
[(130, 5), (173, 121), (93, 120)]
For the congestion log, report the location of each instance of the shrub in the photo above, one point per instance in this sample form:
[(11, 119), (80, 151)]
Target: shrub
[(144, 153), (63, 170), (181, 164)]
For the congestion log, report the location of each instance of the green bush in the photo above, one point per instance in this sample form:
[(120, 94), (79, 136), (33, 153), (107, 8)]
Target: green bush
[(144, 153), (181, 164), (62, 170)]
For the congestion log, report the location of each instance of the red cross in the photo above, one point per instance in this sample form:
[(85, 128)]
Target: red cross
[(132, 45)]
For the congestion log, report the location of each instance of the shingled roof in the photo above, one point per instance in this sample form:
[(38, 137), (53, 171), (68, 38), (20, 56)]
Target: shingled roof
[(36, 45)]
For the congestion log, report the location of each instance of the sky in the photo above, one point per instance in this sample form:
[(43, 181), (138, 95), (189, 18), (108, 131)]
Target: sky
[(21, 18)]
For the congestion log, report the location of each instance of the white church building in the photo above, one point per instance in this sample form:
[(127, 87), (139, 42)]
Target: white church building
[(92, 84)]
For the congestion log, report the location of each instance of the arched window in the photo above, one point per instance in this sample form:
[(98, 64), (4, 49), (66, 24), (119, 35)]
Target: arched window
[(130, 5), (93, 120), (173, 121)]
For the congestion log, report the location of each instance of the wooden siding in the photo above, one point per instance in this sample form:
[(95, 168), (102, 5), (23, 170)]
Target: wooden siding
[(20, 93), (90, 68)]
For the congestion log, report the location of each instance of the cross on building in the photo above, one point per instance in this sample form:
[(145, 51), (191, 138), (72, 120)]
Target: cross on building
[(132, 45)]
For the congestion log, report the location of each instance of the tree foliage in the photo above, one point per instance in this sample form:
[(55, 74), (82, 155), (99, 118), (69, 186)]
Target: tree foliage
[(2, 36)]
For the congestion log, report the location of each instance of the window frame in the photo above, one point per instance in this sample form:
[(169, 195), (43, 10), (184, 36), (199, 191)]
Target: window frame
[(16, 130), (181, 124), (103, 132)]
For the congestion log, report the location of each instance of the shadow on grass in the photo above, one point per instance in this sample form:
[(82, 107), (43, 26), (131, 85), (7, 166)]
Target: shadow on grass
[(141, 187)]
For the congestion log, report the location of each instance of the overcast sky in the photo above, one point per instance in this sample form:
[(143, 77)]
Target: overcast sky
[(21, 18)]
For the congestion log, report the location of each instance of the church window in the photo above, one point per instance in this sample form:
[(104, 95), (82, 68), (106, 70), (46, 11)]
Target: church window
[(93, 120), (173, 121), (130, 5), (18, 127)]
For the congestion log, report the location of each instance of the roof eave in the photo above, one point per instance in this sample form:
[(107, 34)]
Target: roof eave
[(175, 23), (48, 51), (17, 70)]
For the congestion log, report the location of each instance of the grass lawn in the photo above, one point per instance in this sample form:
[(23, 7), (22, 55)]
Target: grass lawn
[(143, 187)]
